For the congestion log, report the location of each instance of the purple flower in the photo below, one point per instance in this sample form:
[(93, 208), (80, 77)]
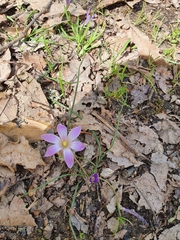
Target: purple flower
[(89, 17), (68, 3), (94, 178), (65, 142)]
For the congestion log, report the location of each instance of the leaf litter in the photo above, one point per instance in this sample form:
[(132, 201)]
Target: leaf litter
[(139, 172)]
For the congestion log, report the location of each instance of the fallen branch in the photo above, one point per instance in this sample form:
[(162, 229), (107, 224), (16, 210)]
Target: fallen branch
[(24, 33)]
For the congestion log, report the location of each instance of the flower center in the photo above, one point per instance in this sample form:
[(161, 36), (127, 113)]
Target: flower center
[(64, 144)]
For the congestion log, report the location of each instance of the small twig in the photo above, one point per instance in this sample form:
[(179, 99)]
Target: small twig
[(119, 135), (24, 33)]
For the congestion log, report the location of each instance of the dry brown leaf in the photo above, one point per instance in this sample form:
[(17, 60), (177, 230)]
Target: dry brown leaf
[(69, 73), (83, 99), (162, 74), (42, 205), (145, 141), (15, 214), (169, 131), (35, 60), (21, 153), (5, 184), (59, 201), (5, 68), (145, 48), (106, 172), (30, 129), (159, 168), (112, 224), (139, 94), (170, 233), (116, 43), (111, 206), (78, 221), (32, 117), (100, 224), (120, 235), (152, 197), (8, 109), (35, 4), (106, 192), (106, 3), (56, 13), (153, 1), (88, 122), (176, 55), (119, 153), (3, 18), (175, 3)]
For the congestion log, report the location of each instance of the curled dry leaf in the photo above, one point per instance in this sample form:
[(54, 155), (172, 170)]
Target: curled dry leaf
[(30, 109), (21, 153)]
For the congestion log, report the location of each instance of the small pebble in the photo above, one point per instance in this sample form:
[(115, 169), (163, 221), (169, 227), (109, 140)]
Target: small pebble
[(177, 101)]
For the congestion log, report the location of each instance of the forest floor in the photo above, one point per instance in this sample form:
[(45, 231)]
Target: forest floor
[(112, 68)]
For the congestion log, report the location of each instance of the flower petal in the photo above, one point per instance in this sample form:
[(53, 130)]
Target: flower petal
[(51, 138), (94, 178), (74, 133), (52, 150), (77, 146), (62, 131), (68, 157)]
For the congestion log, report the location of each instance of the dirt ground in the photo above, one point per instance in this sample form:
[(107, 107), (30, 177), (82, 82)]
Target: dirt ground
[(123, 89)]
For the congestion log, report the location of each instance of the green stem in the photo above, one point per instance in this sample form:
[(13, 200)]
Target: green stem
[(72, 206)]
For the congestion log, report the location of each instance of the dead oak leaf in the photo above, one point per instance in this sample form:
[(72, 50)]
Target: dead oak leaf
[(159, 168), (119, 153), (145, 140), (78, 221), (5, 68), (162, 74), (21, 153), (8, 109), (15, 214), (36, 60), (170, 233), (145, 48), (33, 114), (150, 194), (169, 131)]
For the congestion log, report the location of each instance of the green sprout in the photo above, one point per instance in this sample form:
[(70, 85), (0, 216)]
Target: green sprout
[(141, 16), (174, 37), (80, 33)]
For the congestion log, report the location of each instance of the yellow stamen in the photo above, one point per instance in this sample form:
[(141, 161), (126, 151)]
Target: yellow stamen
[(64, 143)]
